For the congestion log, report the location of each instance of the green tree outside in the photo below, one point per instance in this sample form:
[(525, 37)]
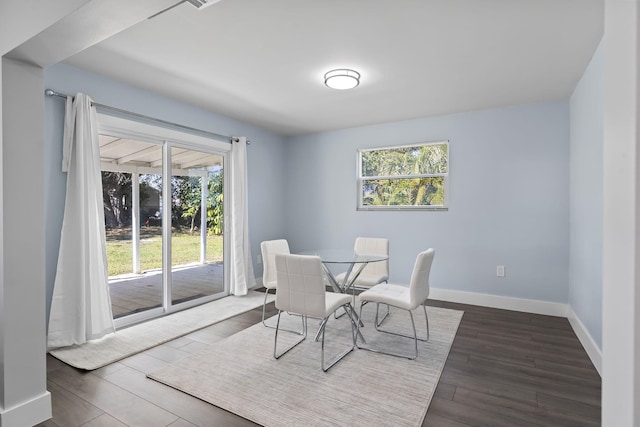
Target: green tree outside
[(396, 176)]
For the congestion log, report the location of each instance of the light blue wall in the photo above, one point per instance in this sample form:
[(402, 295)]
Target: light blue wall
[(509, 199), (586, 174), (509, 191), (265, 155)]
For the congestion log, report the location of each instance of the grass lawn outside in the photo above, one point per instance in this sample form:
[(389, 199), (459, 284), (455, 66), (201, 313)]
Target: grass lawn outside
[(185, 249)]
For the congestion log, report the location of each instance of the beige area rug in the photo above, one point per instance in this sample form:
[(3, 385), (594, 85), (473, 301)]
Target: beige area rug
[(134, 339), (239, 374)]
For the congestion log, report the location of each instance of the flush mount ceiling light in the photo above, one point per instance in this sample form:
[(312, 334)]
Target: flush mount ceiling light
[(198, 4), (342, 78), (201, 4)]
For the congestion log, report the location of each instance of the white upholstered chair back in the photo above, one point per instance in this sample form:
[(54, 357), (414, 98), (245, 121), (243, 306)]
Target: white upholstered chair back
[(269, 250), (419, 285), (374, 246), (301, 287)]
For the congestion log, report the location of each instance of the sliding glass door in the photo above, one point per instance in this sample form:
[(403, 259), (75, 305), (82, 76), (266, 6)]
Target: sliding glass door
[(197, 256), (164, 206)]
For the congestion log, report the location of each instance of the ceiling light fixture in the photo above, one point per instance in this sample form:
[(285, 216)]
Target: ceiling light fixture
[(201, 4), (198, 4), (342, 78)]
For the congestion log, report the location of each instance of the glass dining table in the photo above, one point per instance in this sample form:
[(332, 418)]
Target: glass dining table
[(354, 262)]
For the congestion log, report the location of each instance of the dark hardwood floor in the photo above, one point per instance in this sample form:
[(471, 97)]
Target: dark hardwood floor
[(505, 368), (508, 368)]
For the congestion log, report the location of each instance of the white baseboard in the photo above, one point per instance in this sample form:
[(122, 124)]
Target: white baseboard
[(27, 413), (528, 306), (497, 301), (590, 346)]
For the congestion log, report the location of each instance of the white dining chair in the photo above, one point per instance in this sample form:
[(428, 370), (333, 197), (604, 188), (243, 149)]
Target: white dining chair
[(269, 249), (301, 290), (374, 272), (403, 297)]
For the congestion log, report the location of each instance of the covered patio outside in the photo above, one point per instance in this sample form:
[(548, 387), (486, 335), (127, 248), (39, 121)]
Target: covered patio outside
[(138, 292)]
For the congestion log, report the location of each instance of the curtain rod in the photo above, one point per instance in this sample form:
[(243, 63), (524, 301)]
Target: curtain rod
[(51, 92)]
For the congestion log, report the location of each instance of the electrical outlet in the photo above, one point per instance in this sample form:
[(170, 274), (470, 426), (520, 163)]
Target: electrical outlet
[(500, 271)]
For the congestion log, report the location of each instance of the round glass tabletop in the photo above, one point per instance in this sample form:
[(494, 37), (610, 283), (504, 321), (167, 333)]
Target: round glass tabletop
[(344, 256)]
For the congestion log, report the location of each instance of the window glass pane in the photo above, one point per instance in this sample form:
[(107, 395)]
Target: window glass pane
[(214, 217), (403, 192), (134, 287), (196, 237), (151, 226), (415, 160), (116, 194), (134, 255)]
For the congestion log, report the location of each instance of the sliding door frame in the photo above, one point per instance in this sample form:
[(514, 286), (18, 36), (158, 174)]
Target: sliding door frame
[(168, 139)]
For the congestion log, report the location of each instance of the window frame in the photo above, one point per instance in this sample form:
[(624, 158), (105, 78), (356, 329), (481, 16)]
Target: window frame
[(360, 179)]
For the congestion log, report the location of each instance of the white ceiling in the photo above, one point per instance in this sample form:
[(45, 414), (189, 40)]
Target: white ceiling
[(262, 61)]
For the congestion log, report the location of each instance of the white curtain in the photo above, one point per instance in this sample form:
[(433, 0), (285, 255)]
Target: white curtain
[(242, 277), (81, 306)]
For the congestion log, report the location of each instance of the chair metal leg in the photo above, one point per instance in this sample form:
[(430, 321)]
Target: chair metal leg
[(352, 315), (399, 334), (336, 316), (344, 353), (383, 317), (264, 306), (320, 329), (414, 337), (426, 318), (275, 342)]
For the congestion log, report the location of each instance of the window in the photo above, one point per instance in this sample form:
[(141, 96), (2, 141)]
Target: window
[(404, 177)]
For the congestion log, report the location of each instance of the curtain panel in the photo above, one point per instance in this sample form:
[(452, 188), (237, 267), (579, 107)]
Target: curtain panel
[(241, 269), (81, 305)]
